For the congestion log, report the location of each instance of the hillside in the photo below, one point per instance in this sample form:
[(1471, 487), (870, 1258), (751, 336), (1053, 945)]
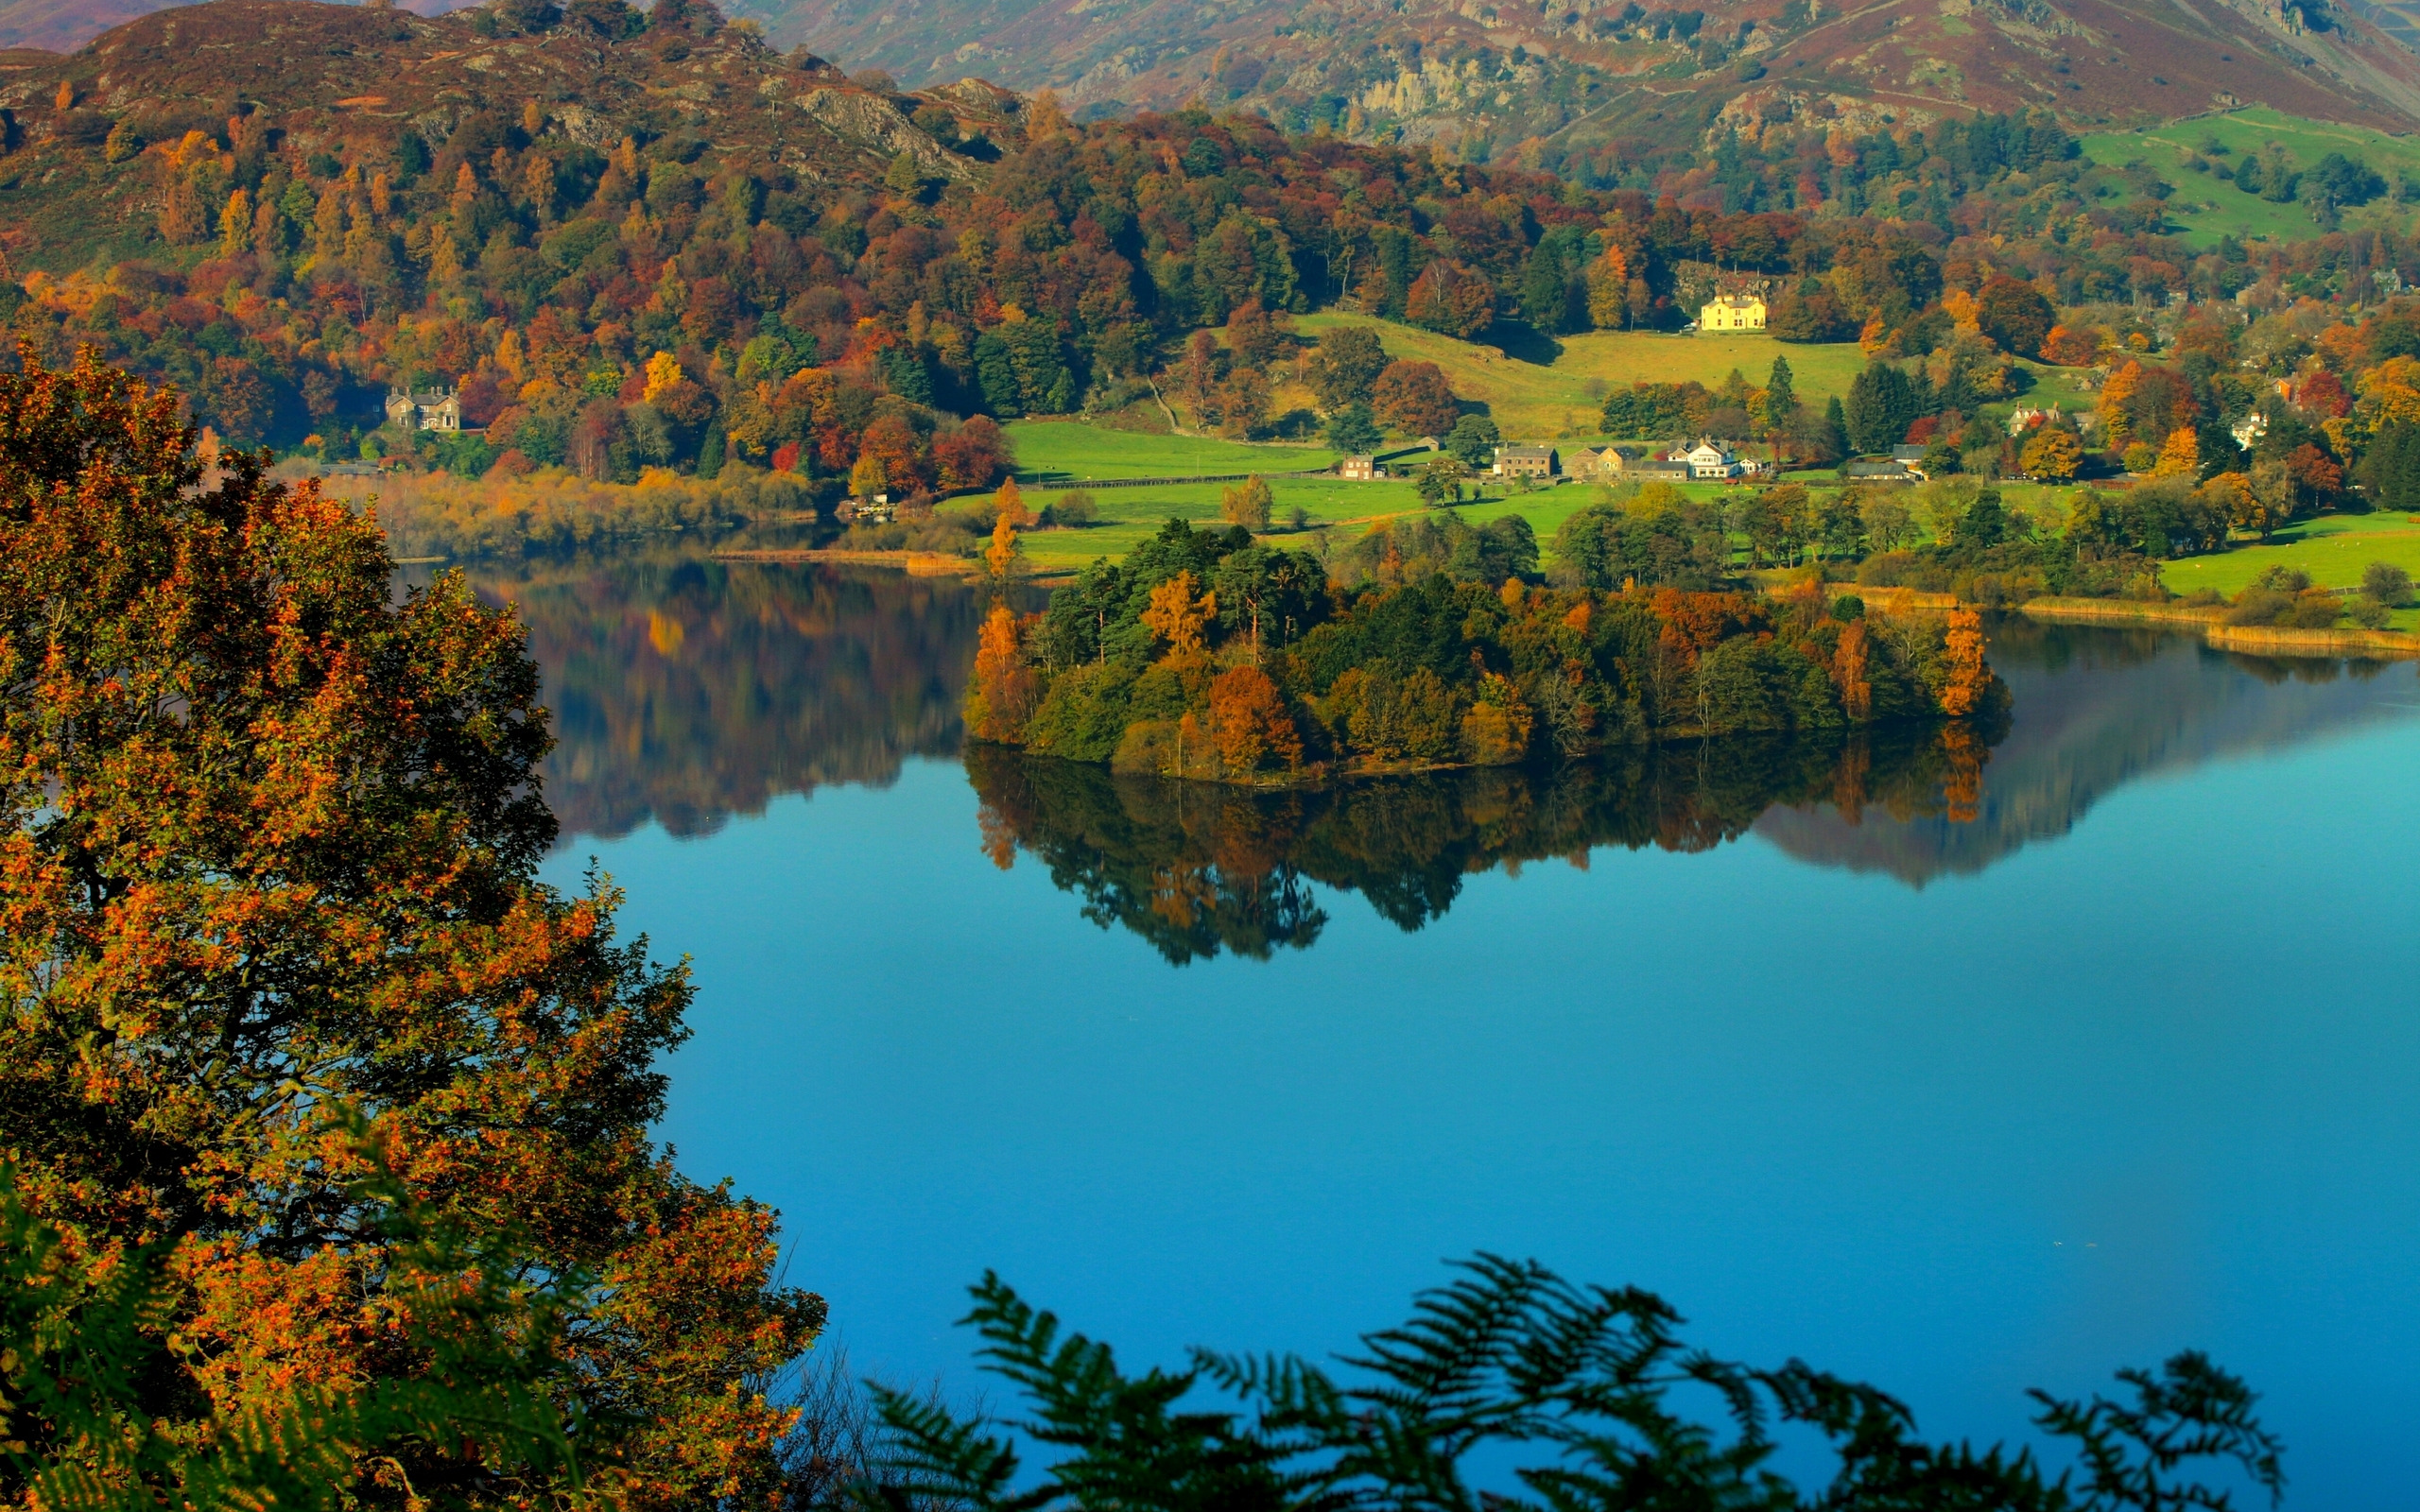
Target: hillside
[(337, 83), (1588, 87), (1571, 81)]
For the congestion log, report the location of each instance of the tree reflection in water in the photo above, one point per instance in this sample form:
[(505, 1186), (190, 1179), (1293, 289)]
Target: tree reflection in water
[(1198, 867)]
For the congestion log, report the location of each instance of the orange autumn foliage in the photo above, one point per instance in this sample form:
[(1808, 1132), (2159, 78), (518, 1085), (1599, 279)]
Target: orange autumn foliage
[(1178, 617), (1969, 679), (1249, 721), (1848, 672), (271, 849), (1004, 690)]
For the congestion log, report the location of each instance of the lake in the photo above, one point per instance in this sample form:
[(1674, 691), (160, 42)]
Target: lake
[(1956, 1070)]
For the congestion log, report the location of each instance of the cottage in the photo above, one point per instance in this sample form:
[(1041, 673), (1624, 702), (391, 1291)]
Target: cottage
[(1527, 461), (1659, 469), (2249, 430), (2026, 418), (1733, 312), (1360, 467), (1712, 459), (1605, 461), (434, 409)]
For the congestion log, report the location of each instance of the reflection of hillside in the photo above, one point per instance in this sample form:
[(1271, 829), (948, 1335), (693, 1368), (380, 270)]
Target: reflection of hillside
[(687, 691), (2096, 709), (1197, 867)]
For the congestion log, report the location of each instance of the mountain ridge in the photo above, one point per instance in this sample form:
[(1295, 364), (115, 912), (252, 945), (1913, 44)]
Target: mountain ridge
[(1580, 87)]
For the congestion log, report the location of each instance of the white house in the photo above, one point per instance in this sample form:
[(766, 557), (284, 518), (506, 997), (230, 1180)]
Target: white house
[(2025, 418), (1712, 459)]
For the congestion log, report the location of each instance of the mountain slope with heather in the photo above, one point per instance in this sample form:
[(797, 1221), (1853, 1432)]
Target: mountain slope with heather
[(1566, 81)]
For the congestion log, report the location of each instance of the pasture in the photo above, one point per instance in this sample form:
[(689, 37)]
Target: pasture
[(2205, 207), (2333, 549), (1563, 399), (1050, 453)]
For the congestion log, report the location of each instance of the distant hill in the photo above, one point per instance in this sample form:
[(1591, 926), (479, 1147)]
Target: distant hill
[(63, 25), (1586, 86), (331, 78), (1564, 80)]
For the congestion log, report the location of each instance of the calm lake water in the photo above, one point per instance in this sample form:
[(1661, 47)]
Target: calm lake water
[(1958, 1075)]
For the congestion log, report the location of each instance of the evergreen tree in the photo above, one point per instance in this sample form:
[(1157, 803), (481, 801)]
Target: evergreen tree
[(1780, 397), (1881, 406), (1836, 426)]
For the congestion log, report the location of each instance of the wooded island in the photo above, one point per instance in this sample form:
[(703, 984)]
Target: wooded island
[(1205, 654)]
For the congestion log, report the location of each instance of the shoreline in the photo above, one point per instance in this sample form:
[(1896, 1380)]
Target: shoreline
[(2269, 640)]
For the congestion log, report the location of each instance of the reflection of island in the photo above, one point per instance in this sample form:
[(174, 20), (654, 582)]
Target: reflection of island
[(685, 691), (2096, 709), (1196, 868)]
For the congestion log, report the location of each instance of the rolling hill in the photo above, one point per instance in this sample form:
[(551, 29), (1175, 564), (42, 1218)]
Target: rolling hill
[(325, 76)]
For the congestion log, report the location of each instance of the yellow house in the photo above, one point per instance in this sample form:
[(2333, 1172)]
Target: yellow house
[(1733, 312)]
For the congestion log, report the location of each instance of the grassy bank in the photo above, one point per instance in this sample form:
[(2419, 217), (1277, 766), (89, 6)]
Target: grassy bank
[(2333, 549)]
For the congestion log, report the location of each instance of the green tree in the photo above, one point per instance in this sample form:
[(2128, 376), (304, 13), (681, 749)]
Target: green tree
[(1473, 442), (1881, 405), (1440, 479), (1348, 362), (1781, 398), (1353, 429)]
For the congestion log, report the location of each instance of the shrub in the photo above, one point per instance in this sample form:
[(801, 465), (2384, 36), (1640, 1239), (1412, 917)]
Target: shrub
[(2386, 583)]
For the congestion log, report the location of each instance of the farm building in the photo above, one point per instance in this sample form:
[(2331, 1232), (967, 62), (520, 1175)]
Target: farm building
[(1605, 461), (1361, 468), (1527, 461), (1733, 312)]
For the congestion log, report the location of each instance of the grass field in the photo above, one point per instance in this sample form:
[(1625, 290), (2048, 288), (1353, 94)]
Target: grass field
[(1561, 401), (1129, 516), (2205, 207), (2333, 549), (1050, 452)]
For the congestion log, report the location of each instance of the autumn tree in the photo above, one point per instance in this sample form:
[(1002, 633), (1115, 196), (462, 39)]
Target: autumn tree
[(1247, 504), (1001, 695), (1969, 678), (2053, 452), (1180, 617), (1348, 362), (1249, 721), (272, 838), (1005, 556), (1007, 504), (1414, 399), (1449, 298)]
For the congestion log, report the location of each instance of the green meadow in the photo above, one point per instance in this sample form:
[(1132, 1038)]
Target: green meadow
[(1563, 399), (2205, 207), (1053, 452), (2333, 549)]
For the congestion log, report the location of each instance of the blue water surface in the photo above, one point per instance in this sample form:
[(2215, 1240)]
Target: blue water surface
[(2136, 1075)]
